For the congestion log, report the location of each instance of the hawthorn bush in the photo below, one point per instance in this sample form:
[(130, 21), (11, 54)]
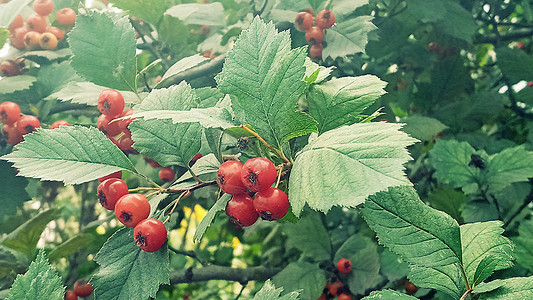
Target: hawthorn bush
[(373, 149)]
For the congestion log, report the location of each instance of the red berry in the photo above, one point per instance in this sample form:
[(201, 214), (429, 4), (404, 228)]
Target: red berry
[(48, 41), (27, 124), (271, 204), (11, 134), (150, 235), (152, 163), (344, 297), (258, 174), (57, 32), (66, 16), (58, 123), (325, 19), (17, 23), (123, 124), (117, 174), (315, 51), (110, 191), (229, 177), (410, 288), (32, 40), (530, 84), (303, 21), (70, 295), (315, 35), (36, 23), (520, 45), (10, 68), (126, 143), (334, 287), (344, 265), (82, 288), (111, 102), (106, 126), (241, 210), (166, 174), (131, 209), (43, 7), (9, 112), (197, 157), (17, 37), (322, 297)]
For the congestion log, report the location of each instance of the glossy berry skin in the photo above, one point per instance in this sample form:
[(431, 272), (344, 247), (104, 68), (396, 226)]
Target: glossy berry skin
[(111, 102), (229, 177), (110, 191), (9, 112), (117, 174), (27, 124), (334, 287), (82, 288), (325, 19), (166, 174), (43, 7), (58, 123), (107, 127), (36, 23), (17, 38), (344, 297), (344, 265), (10, 68), (57, 32), (150, 235), (70, 295), (131, 209), (315, 51), (258, 174), (17, 22), (48, 41), (315, 35), (410, 288), (66, 16), (32, 40), (303, 21), (241, 211), (271, 204)]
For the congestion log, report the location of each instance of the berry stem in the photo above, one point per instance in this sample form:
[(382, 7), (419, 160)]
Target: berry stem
[(276, 151), (280, 170), (465, 294), (182, 195)]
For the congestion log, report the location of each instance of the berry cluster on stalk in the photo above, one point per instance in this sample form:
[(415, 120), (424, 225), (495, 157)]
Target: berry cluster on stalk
[(314, 34), (242, 180), (111, 104)]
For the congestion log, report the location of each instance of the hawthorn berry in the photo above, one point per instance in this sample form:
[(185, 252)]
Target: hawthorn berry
[(150, 235), (123, 124), (57, 32), (58, 123), (258, 174), (32, 40), (334, 287), (9, 112), (10, 68), (11, 134), (344, 265), (17, 23), (530, 84), (111, 102), (315, 51), (520, 45), (344, 297), (48, 41), (166, 174), (83, 288), (271, 204), (17, 38), (110, 191), (66, 16), (325, 19), (27, 124), (36, 23), (43, 7), (229, 177), (315, 35), (303, 21), (106, 126), (241, 211), (410, 288), (131, 209), (126, 143), (70, 295), (117, 174)]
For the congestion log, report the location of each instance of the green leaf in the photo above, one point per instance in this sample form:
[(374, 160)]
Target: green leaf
[(449, 201), (345, 165), (127, 272), (457, 22), (182, 65), (487, 287), (484, 269), (41, 281), (212, 117), (423, 128), (341, 101), (211, 14), (54, 76), (363, 253), (348, 37), (4, 34), (85, 93), (47, 56), (220, 205), (72, 154), (388, 295), (265, 78), (524, 244), (270, 292), (108, 61), (432, 244), (509, 166), (148, 10), (312, 67), (70, 246), (12, 262), (13, 190), (309, 236), (24, 239), (512, 288), (205, 168), (302, 275), (392, 266), (514, 63), (8, 11), (482, 240), (13, 84), (214, 139)]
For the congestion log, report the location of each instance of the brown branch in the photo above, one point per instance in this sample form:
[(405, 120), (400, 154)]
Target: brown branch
[(196, 72), (213, 272), (511, 36)]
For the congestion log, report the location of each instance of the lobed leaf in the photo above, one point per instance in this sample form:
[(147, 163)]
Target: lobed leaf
[(348, 36), (509, 166), (309, 236), (511, 288), (182, 65), (423, 128), (85, 93), (304, 276)]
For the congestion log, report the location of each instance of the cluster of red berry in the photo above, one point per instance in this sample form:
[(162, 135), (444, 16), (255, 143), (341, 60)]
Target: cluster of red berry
[(37, 34), (111, 105), (256, 175), (336, 288), (15, 125), (132, 210), (81, 289), (314, 34)]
